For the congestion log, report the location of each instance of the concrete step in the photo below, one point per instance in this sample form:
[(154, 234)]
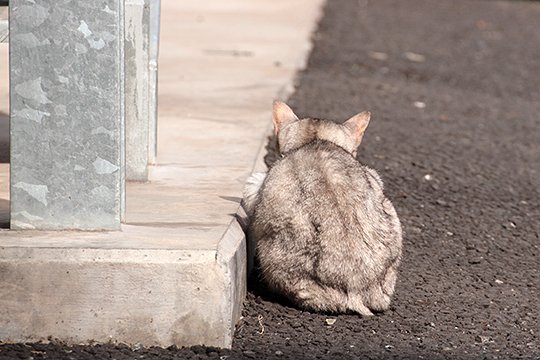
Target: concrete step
[(176, 273)]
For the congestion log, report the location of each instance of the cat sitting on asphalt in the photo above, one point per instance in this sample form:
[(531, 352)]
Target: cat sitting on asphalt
[(326, 236)]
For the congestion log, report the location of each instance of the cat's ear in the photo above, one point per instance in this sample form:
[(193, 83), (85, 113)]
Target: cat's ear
[(282, 115), (357, 125)]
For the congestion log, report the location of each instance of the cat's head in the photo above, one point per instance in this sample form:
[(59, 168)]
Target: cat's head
[(293, 132)]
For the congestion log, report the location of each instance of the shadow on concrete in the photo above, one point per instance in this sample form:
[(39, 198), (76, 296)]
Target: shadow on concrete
[(4, 159), (4, 138), (4, 214)]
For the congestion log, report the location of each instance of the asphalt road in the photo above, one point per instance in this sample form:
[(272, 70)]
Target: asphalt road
[(453, 88)]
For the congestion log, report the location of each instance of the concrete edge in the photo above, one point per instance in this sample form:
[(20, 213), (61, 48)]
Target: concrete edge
[(231, 257), (235, 251)]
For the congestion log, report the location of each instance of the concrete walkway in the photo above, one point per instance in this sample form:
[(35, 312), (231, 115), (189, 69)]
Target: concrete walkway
[(176, 273)]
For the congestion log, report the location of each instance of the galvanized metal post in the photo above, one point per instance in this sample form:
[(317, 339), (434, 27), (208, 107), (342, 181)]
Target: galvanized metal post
[(67, 114), (155, 20), (142, 39)]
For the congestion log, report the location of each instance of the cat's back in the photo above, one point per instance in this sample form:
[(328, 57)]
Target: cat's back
[(319, 182), (319, 207)]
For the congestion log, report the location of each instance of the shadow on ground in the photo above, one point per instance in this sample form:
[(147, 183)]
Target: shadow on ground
[(4, 159), (4, 138)]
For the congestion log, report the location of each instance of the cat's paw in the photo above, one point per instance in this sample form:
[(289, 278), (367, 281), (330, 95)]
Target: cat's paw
[(251, 189)]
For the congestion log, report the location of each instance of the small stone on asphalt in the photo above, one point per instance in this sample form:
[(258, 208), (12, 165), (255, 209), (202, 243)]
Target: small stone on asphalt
[(441, 202), (482, 339), (419, 104), (414, 57), (378, 55)]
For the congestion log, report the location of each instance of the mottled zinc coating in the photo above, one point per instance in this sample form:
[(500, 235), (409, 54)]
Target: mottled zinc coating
[(66, 68), (141, 49), (155, 20), (137, 38)]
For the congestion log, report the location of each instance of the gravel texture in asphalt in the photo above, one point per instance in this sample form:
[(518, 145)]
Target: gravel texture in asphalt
[(453, 88)]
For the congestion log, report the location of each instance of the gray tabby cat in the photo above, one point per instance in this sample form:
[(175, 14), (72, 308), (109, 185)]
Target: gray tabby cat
[(327, 237)]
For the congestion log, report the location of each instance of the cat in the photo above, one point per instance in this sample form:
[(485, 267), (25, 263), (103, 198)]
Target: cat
[(326, 236)]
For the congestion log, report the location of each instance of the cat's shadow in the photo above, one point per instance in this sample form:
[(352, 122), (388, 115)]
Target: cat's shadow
[(258, 288), (272, 152)]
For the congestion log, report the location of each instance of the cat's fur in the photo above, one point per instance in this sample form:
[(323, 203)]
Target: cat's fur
[(326, 236)]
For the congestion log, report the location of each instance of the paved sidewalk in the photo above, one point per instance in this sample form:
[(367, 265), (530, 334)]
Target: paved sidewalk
[(221, 65)]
